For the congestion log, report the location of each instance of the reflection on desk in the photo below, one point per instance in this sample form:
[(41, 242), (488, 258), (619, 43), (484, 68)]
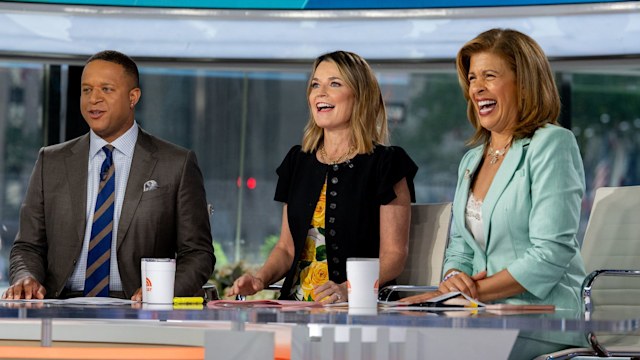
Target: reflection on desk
[(207, 327), (561, 320)]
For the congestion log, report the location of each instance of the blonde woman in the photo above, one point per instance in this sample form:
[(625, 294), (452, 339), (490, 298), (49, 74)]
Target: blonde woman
[(345, 193)]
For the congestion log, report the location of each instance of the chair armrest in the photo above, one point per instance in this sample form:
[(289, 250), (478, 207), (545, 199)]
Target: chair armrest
[(208, 292), (274, 287), (385, 293), (587, 285)]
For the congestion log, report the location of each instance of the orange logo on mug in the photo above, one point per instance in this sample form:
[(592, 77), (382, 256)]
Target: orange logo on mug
[(348, 287), (148, 284), (376, 285)]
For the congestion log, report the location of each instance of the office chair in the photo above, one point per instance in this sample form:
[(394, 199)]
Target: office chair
[(611, 253), (428, 238)]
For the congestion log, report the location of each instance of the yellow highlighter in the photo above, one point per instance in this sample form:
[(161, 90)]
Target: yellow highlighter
[(194, 300)]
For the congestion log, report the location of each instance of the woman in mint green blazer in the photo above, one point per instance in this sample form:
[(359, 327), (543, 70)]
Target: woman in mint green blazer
[(517, 204), (530, 215)]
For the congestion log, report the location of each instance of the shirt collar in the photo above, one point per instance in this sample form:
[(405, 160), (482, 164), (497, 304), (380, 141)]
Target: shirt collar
[(125, 144)]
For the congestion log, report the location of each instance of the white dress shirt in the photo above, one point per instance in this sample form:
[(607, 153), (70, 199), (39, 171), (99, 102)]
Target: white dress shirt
[(122, 156)]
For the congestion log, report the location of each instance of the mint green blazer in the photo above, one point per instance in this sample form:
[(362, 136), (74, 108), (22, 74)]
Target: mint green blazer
[(531, 215)]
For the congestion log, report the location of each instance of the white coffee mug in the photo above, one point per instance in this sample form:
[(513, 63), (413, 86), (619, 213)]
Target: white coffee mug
[(362, 282), (158, 279)]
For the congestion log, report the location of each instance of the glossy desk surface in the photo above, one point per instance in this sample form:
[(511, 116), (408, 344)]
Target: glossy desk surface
[(558, 321)]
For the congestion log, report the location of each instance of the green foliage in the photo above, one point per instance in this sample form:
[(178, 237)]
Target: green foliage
[(225, 275), (268, 245), (321, 253), (221, 257)]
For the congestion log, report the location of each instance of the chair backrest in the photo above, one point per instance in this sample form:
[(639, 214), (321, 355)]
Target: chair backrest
[(428, 238), (612, 242)]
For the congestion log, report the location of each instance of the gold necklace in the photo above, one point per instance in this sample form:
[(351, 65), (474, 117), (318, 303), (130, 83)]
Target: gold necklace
[(495, 155), (339, 160)]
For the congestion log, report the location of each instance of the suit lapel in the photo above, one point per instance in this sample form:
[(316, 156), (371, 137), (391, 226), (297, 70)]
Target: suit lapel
[(76, 165), (500, 181), (142, 165)]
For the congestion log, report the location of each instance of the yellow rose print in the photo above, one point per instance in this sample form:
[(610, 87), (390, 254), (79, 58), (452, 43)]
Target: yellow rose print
[(316, 274), (318, 214), (309, 251)]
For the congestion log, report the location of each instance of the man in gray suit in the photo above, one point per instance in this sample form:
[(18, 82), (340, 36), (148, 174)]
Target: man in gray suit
[(157, 205)]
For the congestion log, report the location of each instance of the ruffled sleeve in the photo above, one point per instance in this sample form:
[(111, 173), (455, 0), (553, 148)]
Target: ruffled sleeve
[(285, 174), (394, 165)]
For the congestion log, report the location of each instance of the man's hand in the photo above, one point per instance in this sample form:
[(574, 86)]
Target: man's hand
[(25, 288)]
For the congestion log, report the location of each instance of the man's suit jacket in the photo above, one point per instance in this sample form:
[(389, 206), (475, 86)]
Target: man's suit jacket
[(531, 216), (170, 221)]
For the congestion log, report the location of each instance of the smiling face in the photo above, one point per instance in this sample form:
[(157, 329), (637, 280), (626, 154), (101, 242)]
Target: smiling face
[(108, 97), (493, 91), (331, 100)]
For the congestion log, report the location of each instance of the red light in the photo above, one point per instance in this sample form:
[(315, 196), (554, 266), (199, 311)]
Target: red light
[(239, 182), (251, 183)]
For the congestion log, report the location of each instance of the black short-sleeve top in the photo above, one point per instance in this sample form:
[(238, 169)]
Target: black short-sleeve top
[(355, 191)]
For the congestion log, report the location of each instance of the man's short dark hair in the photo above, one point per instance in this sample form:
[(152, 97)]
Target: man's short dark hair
[(121, 59)]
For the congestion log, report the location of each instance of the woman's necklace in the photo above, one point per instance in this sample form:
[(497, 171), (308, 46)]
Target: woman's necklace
[(340, 159), (495, 155)]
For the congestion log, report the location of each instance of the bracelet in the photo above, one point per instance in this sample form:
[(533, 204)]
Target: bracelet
[(450, 275)]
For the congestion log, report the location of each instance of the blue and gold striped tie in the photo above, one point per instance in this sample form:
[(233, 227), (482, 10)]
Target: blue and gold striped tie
[(99, 259)]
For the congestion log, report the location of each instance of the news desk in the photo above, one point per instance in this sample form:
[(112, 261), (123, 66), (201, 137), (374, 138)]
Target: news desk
[(46, 331)]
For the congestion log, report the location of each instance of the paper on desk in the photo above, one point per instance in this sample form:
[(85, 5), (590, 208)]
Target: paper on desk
[(456, 300), (341, 304), (97, 301), (279, 304), (451, 301), (75, 301)]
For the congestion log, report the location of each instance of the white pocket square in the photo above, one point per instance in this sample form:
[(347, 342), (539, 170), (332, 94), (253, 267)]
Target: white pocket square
[(149, 186)]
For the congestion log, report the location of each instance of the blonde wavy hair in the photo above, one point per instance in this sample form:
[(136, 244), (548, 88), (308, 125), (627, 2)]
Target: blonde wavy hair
[(538, 98), (368, 118)]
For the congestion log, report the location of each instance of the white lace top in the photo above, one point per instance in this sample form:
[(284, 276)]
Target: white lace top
[(473, 220)]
